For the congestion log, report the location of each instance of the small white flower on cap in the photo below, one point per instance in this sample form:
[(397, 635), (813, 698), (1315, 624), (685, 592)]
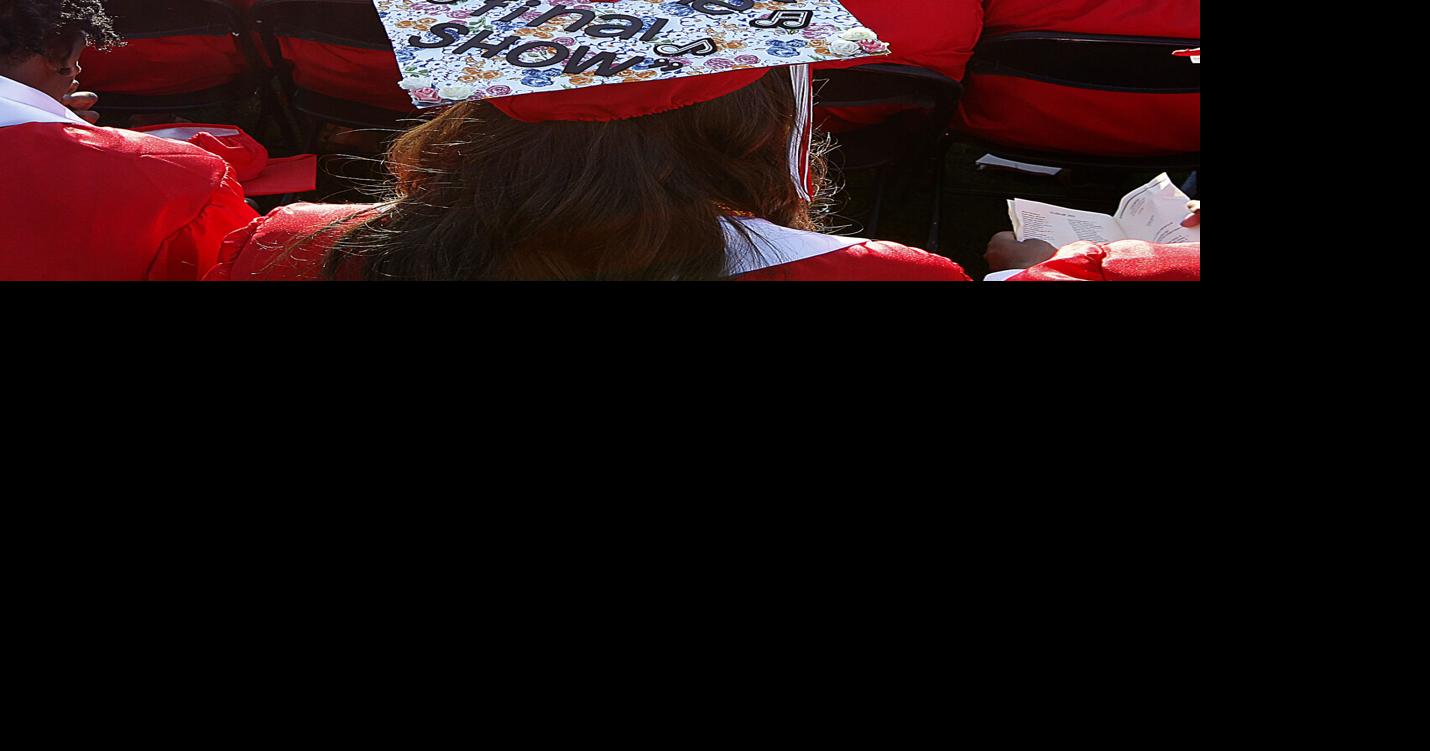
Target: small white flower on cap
[(456, 91), (843, 47), (413, 83), (860, 34)]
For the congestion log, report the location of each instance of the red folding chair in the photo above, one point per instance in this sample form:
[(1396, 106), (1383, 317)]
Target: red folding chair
[(335, 62), (181, 56)]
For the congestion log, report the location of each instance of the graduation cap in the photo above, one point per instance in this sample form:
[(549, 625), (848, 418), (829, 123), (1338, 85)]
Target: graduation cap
[(604, 60)]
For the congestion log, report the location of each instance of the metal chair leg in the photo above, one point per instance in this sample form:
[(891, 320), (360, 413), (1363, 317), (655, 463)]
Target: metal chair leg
[(871, 227), (936, 224), (313, 138)]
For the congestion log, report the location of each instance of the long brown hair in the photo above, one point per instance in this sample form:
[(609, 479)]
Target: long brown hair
[(479, 195)]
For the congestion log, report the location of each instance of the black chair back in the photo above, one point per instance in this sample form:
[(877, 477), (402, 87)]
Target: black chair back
[(1133, 64), (350, 23), (904, 145), (147, 19), (927, 101)]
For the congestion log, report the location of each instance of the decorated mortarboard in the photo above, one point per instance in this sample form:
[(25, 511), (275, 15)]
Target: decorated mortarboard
[(539, 60)]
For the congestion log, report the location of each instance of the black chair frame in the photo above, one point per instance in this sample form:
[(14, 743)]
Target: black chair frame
[(931, 100)]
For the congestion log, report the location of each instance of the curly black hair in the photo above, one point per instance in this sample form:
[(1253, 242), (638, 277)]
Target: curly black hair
[(39, 27)]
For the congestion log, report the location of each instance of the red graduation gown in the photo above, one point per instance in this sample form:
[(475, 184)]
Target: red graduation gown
[(259, 253), (83, 203), (353, 74), (938, 35), (1051, 117), (164, 65), (1124, 261), (935, 34)]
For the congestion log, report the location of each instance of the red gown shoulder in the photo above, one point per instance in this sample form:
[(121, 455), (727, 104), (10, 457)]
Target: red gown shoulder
[(1124, 261), (289, 244), (89, 203), (866, 262)]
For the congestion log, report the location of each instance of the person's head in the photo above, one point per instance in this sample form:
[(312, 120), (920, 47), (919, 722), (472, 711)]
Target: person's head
[(41, 40), (480, 195)]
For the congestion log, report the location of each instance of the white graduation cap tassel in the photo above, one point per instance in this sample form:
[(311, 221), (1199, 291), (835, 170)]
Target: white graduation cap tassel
[(802, 134)]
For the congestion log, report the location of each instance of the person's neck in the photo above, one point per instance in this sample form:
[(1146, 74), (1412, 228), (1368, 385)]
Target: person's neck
[(29, 73)]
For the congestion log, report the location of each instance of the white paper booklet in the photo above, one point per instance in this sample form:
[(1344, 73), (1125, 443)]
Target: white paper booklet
[(1153, 212)]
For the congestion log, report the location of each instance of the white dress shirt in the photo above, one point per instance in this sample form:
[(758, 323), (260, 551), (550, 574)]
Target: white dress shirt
[(21, 104), (772, 245)]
